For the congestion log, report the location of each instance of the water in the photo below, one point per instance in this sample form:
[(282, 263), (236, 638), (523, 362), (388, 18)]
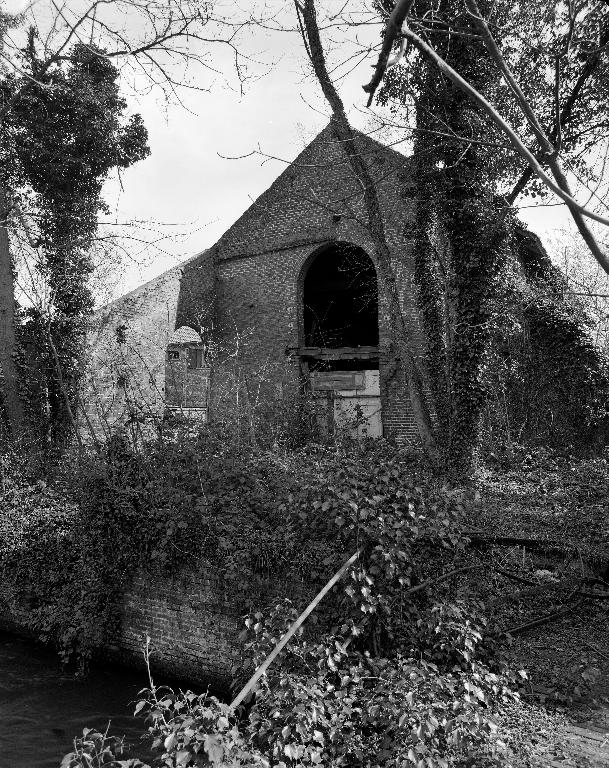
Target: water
[(42, 707)]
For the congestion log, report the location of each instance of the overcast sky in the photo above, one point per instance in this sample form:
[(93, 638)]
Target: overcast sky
[(188, 180)]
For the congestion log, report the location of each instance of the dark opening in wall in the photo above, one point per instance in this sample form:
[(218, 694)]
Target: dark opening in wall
[(340, 299)]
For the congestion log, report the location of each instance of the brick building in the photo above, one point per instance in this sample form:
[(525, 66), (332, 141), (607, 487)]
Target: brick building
[(290, 289)]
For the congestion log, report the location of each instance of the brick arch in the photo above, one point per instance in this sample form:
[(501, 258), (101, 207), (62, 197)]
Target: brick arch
[(185, 334), (352, 293)]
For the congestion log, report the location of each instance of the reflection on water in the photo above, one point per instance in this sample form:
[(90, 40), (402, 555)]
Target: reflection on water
[(42, 707)]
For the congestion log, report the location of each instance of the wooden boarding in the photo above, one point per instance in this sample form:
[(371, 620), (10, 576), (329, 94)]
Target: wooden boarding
[(337, 353)]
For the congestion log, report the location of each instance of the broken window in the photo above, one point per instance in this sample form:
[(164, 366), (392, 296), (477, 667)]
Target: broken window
[(195, 358)]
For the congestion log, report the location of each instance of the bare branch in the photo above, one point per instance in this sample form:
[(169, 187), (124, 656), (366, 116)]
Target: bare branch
[(376, 228), (577, 211), (393, 28), (504, 126)]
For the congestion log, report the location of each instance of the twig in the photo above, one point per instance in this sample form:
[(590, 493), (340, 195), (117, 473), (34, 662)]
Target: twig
[(443, 577), (514, 577), (596, 650), (543, 620)]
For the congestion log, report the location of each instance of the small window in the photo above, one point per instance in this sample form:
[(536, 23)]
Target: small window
[(173, 354), (195, 358)]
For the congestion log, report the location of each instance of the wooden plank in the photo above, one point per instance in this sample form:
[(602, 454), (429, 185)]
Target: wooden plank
[(337, 380), (337, 353)]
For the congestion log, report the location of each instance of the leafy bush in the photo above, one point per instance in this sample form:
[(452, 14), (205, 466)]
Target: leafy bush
[(255, 514), (96, 750), (395, 669)]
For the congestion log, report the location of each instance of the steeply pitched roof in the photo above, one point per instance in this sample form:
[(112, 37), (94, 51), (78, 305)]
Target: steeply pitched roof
[(296, 207), (318, 184)]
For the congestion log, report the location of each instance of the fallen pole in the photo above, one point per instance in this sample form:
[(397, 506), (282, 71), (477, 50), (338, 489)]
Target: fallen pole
[(248, 687)]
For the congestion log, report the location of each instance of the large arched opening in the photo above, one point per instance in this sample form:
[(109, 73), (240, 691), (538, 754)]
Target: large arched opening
[(340, 301), (339, 349)]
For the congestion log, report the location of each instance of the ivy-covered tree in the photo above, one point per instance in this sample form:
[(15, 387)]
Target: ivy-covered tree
[(60, 140), (10, 400), (458, 59), (59, 101)]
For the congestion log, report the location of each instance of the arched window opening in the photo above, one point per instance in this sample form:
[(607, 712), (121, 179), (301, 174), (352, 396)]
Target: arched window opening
[(186, 371), (340, 308), (341, 299)]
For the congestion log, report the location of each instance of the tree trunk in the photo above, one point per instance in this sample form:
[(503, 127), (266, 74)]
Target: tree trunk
[(376, 227), (13, 407)]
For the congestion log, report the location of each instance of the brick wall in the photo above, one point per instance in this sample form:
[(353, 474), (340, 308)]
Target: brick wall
[(192, 620), (261, 258), (192, 625), (121, 374)]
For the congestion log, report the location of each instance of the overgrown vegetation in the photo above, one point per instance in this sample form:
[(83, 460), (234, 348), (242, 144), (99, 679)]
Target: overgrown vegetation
[(255, 513), (405, 665), (402, 663), (454, 69)]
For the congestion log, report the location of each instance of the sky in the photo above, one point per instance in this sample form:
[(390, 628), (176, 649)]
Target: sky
[(182, 198)]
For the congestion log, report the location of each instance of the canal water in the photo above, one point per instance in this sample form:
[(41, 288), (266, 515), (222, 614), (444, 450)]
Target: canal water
[(42, 707)]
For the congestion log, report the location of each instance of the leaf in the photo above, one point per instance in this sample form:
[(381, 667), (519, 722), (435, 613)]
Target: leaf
[(291, 751), (169, 742), (214, 749)]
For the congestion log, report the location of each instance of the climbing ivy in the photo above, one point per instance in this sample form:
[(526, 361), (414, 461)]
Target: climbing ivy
[(63, 135), (462, 235), (557, 379), (496, 354)]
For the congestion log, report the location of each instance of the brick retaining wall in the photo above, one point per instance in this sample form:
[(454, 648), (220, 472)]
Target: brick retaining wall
[(192, 621)]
